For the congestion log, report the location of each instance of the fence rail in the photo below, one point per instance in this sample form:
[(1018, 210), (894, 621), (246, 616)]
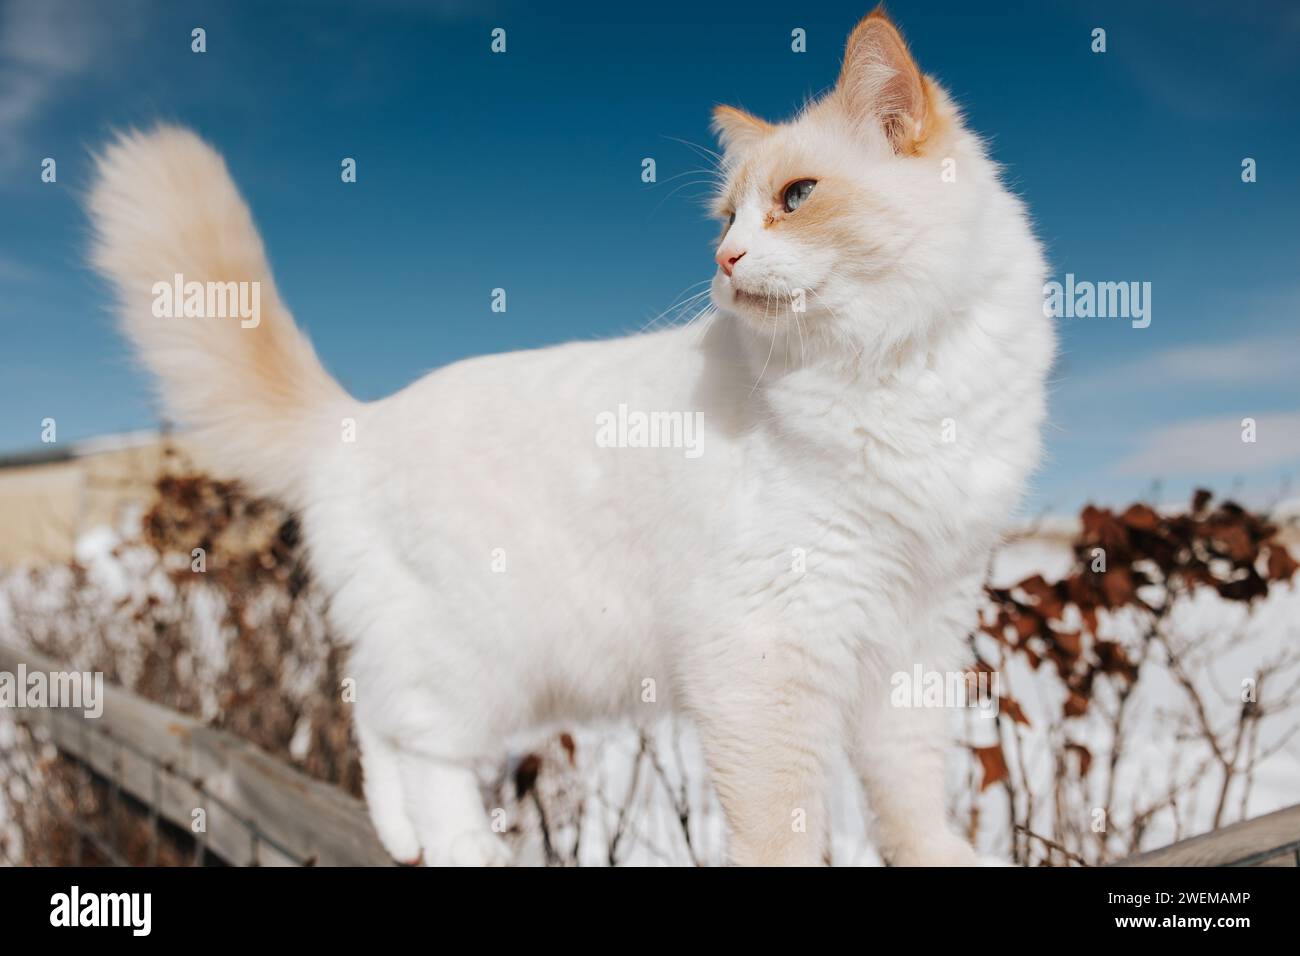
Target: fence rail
[(257, 811), (1270, 840), (261, 812)]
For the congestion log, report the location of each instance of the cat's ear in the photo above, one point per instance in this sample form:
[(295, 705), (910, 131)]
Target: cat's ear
[(880, 83), (738, 130)]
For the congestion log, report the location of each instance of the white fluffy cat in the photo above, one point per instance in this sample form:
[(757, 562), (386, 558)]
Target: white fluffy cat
[(870, 386)]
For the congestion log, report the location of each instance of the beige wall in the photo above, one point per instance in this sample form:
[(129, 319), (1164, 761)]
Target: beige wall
[(44, 507)]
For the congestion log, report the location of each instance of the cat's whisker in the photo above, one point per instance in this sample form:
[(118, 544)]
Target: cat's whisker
[(770, 349), (803, 353), (856, 347), (678, 307), (703, 308), (676, 190), (705, 317), (713, 176), (708, 155), (678, 300)]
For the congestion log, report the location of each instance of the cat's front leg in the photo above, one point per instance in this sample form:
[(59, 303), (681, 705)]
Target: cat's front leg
[(899, 757), (768, 720)]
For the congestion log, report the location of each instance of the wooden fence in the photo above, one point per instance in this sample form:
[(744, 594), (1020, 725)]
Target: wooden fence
[(1270, 840), (255, 809)]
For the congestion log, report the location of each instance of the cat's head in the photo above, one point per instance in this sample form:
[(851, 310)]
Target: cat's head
[(854, 216)]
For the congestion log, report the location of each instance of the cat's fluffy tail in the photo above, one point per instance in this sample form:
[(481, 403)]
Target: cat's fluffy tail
[(164, 206)]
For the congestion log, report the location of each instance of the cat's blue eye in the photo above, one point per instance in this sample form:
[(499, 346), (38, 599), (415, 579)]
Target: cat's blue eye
[(796, 193), (731, 220)]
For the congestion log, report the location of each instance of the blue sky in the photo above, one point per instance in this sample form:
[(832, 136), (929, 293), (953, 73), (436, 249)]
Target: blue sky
[(523, 171)]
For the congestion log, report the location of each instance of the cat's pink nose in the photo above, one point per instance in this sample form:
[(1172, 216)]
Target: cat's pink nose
[(727, 258)]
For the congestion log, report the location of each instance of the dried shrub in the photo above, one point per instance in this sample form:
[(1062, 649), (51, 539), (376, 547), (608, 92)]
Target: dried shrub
[(1136, 566)]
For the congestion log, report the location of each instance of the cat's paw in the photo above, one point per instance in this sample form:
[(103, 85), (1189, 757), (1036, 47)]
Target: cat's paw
[(943, 849), (477, 848), (397, 837)]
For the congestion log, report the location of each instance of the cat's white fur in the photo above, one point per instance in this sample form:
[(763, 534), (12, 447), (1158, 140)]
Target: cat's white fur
[(494, 568)]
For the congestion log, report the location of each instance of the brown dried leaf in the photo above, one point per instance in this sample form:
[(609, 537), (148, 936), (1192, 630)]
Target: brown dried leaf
[(993, 763), (1011, 707), (1281, 566), (1046, 600), (1028, 623), (1084, 755), (1114, 660), (1117, 586), (526, 775), (1076, 705), (1140, 518), (1070, 643), (1234, 541)]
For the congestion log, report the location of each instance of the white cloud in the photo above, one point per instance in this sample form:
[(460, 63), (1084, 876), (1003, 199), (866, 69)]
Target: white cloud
[(1214, 446), (44, 48), (1249, 361), (1269, 358)]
